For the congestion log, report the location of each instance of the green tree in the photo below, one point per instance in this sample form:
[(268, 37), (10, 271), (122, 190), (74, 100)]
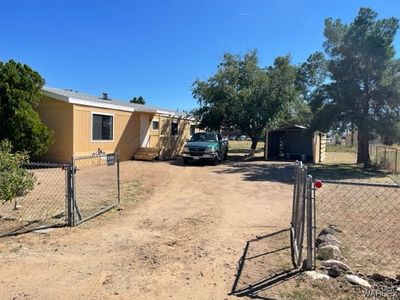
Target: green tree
[(363, 88), (15, 181), (138, 100), (245, 96), (20, 96)]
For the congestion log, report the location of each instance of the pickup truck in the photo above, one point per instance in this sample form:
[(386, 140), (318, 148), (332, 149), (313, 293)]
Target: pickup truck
[(205, 146)]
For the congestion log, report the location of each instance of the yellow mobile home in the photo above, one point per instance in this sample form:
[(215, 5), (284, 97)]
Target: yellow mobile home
[(85, 125)]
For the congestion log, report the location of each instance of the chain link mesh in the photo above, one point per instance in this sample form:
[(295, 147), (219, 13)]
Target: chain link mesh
[(298, 213), (368, 222), (42, 206), (96, 185), (386, 158)]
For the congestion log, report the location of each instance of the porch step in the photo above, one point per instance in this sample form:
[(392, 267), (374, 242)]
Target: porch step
[(146, 154)]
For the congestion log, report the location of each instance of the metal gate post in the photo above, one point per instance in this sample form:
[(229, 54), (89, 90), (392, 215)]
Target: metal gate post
[(310, 225), (118, 178), (72, 204), (70, 195)]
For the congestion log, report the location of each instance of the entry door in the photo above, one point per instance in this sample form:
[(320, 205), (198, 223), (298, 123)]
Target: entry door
[(144, 130)]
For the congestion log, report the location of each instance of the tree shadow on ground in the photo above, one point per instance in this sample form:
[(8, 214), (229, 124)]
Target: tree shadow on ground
[(265, 263), (256, 169), (343, 172), (263, 171)]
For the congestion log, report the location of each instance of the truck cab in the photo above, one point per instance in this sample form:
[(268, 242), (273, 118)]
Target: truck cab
[(205, 146)]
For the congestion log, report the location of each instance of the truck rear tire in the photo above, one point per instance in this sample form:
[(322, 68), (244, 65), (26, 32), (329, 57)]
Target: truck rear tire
[(215, 161), (226, 155)]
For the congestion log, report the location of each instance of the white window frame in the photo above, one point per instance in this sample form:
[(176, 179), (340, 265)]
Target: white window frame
[(91, 127), (152, 125)]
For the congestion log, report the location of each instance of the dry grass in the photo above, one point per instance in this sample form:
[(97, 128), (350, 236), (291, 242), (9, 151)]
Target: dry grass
[(367, 216), (44, 205), (368, 220), (340, 158)]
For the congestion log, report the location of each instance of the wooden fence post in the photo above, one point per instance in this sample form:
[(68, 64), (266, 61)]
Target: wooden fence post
[(395, 163)]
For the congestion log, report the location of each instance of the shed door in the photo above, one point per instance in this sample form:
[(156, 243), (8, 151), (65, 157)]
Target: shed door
[(144, 130)]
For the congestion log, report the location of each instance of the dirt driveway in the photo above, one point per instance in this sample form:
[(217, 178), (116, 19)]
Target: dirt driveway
[(180, 236)]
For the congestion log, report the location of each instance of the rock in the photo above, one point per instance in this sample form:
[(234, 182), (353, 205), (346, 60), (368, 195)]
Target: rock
[(317, 276), (334, 271), (44, 230), (333, 262), (329, 239), (335, 227), (329, 252), (357, 280), (378, 277), (327, 230), (332, 243)]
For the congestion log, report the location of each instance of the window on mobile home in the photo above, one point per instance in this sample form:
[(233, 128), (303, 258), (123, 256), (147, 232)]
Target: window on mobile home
[(174, 128), (102, 127), (156, 125)]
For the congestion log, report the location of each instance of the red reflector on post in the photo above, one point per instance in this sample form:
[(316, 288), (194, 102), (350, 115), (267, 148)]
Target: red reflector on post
[(318, 184)]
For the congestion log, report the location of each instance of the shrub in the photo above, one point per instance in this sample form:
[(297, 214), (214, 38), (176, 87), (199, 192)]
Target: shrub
[(15, 180)]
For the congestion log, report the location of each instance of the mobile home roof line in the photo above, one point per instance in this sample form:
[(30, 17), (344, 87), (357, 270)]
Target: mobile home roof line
[(75, 97)]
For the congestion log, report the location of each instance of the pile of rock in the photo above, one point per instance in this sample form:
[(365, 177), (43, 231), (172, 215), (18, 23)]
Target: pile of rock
[(333, 264)]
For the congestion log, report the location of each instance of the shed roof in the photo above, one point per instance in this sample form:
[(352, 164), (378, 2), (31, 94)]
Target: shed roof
[(76, 97), (291, 128)]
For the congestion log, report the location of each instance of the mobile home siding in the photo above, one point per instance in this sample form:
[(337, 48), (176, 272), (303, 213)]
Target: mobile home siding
[(58, 116), (126, 132)]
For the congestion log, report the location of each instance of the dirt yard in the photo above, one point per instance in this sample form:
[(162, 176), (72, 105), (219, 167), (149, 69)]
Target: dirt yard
[(180, 235)]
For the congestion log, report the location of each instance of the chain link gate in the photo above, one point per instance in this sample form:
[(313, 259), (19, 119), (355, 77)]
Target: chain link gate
[(94, 186), (63, 194), (303, 218)]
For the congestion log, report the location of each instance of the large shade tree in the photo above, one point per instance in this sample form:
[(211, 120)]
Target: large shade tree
[(362, 88), (20, 95), (243, 95)]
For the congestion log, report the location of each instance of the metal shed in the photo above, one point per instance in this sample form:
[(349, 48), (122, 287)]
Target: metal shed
[(295, 143)]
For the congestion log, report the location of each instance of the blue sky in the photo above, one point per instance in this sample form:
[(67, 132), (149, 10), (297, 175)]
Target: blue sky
[(156, 49)]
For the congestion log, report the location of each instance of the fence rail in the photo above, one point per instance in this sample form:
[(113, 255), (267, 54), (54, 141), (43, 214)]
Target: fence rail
[(63, 194)]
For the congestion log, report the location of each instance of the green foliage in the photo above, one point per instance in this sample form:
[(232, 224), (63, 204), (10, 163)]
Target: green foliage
[(243, 95), (20, 96), (363, 87), (15, 181), (138, 100)]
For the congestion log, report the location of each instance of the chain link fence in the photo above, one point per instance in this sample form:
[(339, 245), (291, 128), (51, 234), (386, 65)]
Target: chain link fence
[(367, 221), (95, 186), (63, 194), (41, 207), (385, 157)]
